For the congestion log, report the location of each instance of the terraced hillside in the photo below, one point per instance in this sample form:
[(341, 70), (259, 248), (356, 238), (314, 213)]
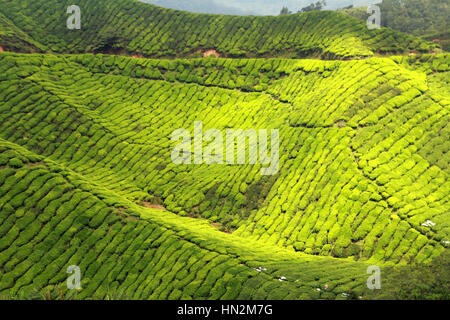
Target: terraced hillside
[(354, 181), (53, 217), (132, 27), (86, 176), (13, 38)]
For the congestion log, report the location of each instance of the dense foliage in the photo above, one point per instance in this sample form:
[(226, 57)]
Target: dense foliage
[(418, 17), (14, 39), (416, 281), (342, 150), (52, 217), (425, 18), (156, 32), (86, 176)]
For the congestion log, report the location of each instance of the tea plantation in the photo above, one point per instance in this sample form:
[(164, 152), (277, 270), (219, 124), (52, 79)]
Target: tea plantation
[(130, 26), (86, 176)]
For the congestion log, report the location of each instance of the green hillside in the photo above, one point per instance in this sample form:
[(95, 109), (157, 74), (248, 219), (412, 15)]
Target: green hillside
[(14, 39), (86, 176), (129, 26), (423, 18), (53, 217)]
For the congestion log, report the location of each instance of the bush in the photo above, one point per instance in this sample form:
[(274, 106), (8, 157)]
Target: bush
[(15, 163), (415, 281)]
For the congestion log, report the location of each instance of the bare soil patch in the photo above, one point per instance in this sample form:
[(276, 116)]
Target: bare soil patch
[(147, 204), (211, 52)]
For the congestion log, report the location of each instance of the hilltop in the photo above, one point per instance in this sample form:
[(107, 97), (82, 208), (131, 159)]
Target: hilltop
[(152, 31)]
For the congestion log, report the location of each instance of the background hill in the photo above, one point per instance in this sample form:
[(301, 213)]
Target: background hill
[(425, 18), (203, 6), (157, 32), (250, 7)]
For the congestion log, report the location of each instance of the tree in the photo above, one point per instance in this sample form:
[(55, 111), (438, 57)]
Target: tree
[(313, 7), (285, 11)]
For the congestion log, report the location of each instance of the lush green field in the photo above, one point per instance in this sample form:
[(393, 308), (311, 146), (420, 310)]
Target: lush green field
[(86, 176), (341, 190), (129, 26), (53, 217)]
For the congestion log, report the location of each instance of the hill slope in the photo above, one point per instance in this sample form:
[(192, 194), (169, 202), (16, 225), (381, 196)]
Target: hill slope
[(14, 39), (345, 130), (157, 32), (52, 218)]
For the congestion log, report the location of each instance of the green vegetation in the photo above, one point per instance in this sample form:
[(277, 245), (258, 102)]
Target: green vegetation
[(314, 6), (418, 17), (337, 155), (86, 176), (14, 39), (416, 281), (52, 218), (285, 11), (156, 32), (425, 18)]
